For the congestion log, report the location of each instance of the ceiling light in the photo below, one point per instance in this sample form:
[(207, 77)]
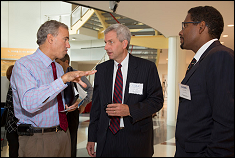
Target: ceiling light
[(73, 39), (225, 35), (222, 42), (231, 25)]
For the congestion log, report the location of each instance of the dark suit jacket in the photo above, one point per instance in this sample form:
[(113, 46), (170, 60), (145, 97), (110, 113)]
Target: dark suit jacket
[(73, 117), (205, 124), (139, 126)]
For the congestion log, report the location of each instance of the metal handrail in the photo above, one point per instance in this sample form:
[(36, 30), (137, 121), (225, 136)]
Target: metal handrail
[(102, 59)]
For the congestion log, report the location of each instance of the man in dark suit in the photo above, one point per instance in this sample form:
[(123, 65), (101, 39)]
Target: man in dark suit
[(73, 116), (205, 121), (141, 96)]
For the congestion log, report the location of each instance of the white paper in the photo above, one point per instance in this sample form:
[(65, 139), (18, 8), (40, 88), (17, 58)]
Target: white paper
[(184, 91), (136, 88), (81, 92), (68, 109)]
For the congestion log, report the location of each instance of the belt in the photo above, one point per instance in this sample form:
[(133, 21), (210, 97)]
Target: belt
[(44, 130)]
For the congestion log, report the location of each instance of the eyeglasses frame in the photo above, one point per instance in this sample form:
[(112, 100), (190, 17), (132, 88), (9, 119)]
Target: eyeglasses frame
[(193, 22)]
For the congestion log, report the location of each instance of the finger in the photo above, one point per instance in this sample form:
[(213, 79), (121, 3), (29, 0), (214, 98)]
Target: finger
[(91, 72), (110, 109), (66, 106), (111, 105), (91, 152)]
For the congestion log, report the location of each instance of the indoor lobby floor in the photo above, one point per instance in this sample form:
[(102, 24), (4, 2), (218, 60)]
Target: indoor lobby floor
[(164, 140)]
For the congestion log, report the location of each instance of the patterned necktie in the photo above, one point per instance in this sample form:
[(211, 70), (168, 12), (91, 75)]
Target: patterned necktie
[(117, 98), (191, 65), (62, 115)]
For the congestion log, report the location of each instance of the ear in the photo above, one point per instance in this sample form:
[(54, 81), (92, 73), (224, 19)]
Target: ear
[(202, 26), (50, 38), (66, 63), (124, 44)]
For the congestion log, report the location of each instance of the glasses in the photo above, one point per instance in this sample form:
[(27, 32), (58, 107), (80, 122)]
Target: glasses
[(184, 26)]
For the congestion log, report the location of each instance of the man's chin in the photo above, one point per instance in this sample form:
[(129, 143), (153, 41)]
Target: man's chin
[(110, 56), (182, 46)]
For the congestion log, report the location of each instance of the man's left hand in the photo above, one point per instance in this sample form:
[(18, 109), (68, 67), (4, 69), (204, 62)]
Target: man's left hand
[(81, 109), (117, 109), (72, 107)]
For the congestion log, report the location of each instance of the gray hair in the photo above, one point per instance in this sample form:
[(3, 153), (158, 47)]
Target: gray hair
[(49, 27), (123, 32)]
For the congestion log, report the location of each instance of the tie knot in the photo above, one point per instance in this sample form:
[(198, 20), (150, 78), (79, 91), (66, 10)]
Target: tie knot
[(119, 66), (53, 65)]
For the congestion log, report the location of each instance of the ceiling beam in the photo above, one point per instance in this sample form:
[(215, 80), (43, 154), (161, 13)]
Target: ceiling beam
[(144, 50), (101, 19), (143, 33), (157, 42), (74, 29)]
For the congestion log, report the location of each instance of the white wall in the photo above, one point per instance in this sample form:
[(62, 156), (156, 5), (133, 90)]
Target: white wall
[(20, 21), (4, 23), (82, 51)]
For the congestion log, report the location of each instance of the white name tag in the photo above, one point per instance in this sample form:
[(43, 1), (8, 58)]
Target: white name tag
[(184, 91), (136, 88)]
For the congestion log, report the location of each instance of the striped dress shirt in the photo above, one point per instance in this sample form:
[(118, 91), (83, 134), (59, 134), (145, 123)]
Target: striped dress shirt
[(34, 90)]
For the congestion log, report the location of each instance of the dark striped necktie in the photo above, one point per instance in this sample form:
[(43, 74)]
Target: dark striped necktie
[(62, 115), (117, 98), (191, 65)]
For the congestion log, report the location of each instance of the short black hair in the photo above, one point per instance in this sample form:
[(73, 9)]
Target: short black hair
[(9, 72), (212, 18), (66, 57)]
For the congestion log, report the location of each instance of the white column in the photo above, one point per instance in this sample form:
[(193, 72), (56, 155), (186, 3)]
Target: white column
[(176, 72)]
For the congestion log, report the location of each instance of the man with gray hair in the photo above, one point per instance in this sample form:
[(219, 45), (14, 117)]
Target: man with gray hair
[(37, 83), (127, 91)]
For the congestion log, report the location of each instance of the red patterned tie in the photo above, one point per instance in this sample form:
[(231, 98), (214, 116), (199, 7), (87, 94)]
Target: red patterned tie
[(62, 115), (117, 98)]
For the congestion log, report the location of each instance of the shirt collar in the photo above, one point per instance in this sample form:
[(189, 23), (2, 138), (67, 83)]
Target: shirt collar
[(44, 58), (124, 63), (203, 49)]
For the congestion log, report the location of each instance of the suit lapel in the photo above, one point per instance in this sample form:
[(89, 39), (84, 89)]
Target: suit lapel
[(109, 81), (194, 68), (131, 76)]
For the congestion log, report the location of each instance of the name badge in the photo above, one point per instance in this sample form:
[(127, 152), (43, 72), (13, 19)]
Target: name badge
[(184, 91), (136, 88)]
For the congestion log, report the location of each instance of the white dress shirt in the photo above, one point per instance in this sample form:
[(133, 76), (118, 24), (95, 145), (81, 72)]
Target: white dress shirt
[(203, 49), (124, 70)]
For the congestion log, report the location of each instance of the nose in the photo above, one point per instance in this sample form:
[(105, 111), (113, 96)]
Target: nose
[(106, 46), (68, 45), (180, 33)]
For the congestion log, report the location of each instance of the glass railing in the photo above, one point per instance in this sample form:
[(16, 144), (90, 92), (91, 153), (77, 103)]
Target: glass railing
[(69, 19), (77, 14)]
